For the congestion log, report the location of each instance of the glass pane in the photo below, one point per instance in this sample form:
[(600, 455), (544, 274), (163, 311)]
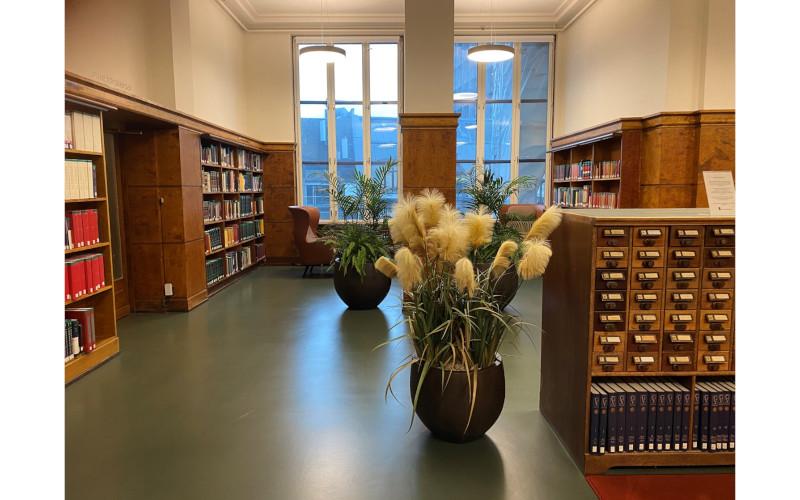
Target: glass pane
[(315, 189), (532, 130), (313, 80), (499, 170), (534, 193), (349, 132), (465, 73), (314, 132), (499, 78), (391, 182), (498, 132), (346, 175), (535, 59), (383, 72), (347, 74), (467, 131), (383, 132), (463, 169)]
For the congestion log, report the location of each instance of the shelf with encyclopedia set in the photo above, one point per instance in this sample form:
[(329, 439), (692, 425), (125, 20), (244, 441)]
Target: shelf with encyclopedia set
[(638, 323), (89, 288)]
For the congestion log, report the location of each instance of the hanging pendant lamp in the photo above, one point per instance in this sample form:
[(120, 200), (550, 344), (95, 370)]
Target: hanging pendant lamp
[(490, 52), (323, 53)]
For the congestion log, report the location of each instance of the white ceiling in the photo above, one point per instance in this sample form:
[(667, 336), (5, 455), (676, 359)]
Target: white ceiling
[(387, 15)]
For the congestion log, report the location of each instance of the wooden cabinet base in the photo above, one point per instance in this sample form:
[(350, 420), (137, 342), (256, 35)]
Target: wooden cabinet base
[(599, 464), (83, 364)]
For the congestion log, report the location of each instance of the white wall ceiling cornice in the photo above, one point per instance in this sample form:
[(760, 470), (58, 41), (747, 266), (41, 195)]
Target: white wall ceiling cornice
[(343, 16)]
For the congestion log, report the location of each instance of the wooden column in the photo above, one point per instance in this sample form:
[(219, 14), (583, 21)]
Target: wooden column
[(279, 194), (429, 152), (716, 147)]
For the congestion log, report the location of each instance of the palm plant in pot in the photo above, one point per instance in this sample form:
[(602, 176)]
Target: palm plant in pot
[(361, 239), (454, 323), (490, 193)]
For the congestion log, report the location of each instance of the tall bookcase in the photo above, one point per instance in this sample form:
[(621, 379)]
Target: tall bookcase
[(102, 300), (244, 167)]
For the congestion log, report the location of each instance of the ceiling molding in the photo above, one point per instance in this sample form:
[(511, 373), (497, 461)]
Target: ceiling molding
[(249, 19)]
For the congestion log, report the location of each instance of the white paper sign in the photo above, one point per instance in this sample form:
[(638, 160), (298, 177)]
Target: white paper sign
[(720, 191)]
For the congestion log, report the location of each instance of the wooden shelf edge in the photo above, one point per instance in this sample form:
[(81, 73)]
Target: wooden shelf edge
[(722, 373), (598, 464), (106, 349), (98, 292), (87, 247), (80, 152), (85, 200)]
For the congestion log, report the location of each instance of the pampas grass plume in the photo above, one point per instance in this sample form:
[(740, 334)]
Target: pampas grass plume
[(545, 224), (449, 239), (502, 260), (480, 225), (405, 226), (429, 206), (535, 259), (386, 267), (465, 276), (409, 268)]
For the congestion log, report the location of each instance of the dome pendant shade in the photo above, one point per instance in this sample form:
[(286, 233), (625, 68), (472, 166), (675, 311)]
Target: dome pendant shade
[(323, 53), (489, 53)]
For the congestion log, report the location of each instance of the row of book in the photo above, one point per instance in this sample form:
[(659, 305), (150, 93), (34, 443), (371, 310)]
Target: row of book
[(238, 260), (81, 228), (574, 171), (250, 161), (80, 179), (82, 131), (234, 261), (212, 210), (644, 415), (606, 169), (213, 239), (714, 416), (209, 153), (245, 206), (599, 199), (215, 270), (231, 182), (83, 275), (243, 231), (583, 197), (79, 332)]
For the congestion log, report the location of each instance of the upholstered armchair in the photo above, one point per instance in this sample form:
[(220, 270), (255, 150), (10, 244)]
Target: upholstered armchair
[(313, 252), (523, 209)]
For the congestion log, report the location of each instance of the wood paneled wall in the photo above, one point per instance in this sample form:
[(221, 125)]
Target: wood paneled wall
[(279, 194), (429, 152)]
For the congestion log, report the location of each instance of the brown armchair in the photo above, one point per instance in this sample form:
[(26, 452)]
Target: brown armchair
[(313, 252), (521, 209)]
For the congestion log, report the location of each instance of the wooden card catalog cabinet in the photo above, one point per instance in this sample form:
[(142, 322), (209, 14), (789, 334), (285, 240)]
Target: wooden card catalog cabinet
[(638, 297)]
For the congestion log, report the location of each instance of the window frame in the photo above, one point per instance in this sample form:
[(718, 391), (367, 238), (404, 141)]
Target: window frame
[(481, 101), (330, 103)]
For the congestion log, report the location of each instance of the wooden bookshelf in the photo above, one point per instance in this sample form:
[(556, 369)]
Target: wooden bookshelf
[(102, 300), (236, 167), (573, 322)]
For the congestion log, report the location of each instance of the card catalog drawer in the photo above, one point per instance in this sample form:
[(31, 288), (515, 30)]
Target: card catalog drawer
[(718, 278), (644, 321), (609, 301), (613, 236), (677, 361), (683, 257), (716, 299), (647, 279), (686, 236), (719, 257), (711, 361), (609, 321), (683, 278), (648, 257), (609, 342), (682, 300), (680, 321), (646, 300), (649, 236), (643, 341), (611, 258), (715, 341), (642, 362), (609, 279), (715, 320), (608, 362), (720, 236), (679, 341)]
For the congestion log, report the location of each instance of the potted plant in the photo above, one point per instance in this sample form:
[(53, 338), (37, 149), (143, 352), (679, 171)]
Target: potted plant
[(454, 323), (361, 239), (492, 192)]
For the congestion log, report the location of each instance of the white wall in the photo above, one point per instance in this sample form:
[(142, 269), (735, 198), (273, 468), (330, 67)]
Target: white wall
[(269, 82), (428, 57)]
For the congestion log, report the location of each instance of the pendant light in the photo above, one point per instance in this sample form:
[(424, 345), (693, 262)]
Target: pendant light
[(322, 53), (490, 52)]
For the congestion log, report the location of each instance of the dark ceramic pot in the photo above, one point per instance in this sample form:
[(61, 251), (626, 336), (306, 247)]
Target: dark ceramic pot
[(361, 292), (505, 287), (445, 412)]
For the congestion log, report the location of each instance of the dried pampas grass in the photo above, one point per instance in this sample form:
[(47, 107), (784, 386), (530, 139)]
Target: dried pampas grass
[(409, 268), (386, 267), (535, 259), (429, 206), (545, 224), (405, 225), (480, 226), (449, 239), (465, 276), (502, 260)]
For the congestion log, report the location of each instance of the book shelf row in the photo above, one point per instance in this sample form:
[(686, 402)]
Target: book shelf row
[(213, 154), (218, 238), (81, 229), (583, 197), (83, 131), (79, 332), (587, 170), (230, 209), (233, 262), (80, 179), (231, 182)]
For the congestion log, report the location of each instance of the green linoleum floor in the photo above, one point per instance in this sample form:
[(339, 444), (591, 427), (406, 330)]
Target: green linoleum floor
[(272, 389)]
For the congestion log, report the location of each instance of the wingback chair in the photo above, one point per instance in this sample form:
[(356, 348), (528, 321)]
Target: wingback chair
[(313, 252)]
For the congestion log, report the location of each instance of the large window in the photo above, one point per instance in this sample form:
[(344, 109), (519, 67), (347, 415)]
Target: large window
[(504, 116), (356, 103)]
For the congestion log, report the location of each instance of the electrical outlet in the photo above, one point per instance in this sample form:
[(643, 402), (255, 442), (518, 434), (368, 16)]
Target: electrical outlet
[(168, 289)]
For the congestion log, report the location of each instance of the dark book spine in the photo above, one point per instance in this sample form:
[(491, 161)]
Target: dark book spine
[(652, 420), (612, 423), (685, 420), (594, 424), (705, 413), (631, 420), (662, 410), (677, 414), (668, 416), (696, 422), (726, 417), (713, 422), (641, 434), (622, 408), (733, 420), (603, 424)]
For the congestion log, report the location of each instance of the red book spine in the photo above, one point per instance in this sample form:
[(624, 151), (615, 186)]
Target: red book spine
[(97, 263), (77, 228), (67, 290), (75, 273), (101, 269), (87, 227), (95, 226), (86, 318), (87, 273)]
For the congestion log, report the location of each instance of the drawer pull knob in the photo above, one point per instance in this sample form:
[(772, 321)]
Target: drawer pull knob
[(610, 306), (648, 263), (611, 263)]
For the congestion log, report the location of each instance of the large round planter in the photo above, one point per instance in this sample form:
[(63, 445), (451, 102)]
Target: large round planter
[(506, 286), (361, 292), (445, 411)]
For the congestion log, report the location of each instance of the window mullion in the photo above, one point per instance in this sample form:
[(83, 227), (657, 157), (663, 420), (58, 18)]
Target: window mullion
[(332, 137), (480, 114), (366, 143), (516, 76)]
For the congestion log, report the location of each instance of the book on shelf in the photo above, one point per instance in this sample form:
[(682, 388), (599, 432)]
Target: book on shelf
[(213, 239), (259, 205), (249, 161), (641, 415), (606, 169), (215, 270), (258, 248), (581, 170), (583, 197), (226, 156), (231, 235), (79, 329), (717, 414), (259, 227), (212, 183), (209, 153), (232, 209), (82, 131), (80, 179), (212, 210), (81, 228), (83, 275), (247, 206), (603, 200), (229, 181)]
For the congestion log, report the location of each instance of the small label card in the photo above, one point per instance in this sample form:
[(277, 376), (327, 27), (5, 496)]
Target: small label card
[(720, 192)]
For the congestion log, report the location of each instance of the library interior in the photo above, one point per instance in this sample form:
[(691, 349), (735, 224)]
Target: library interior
[(399, 249)]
